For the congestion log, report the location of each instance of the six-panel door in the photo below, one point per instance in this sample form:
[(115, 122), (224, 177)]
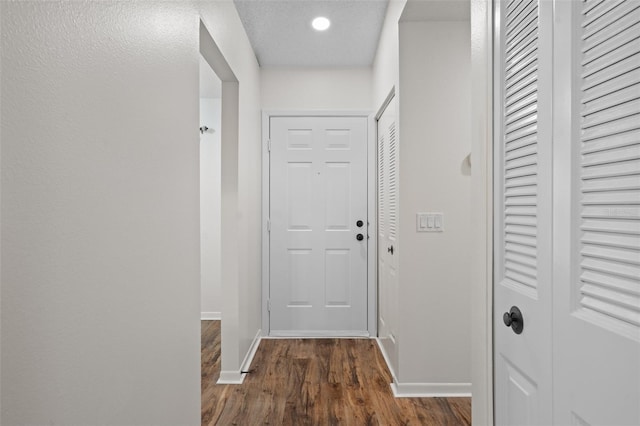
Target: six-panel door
[(318, 247)]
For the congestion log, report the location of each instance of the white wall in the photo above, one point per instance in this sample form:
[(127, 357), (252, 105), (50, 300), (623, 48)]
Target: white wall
[(100, 242), (428, 63), (434, 177), (210, 197), (316, 88), (385, 65)]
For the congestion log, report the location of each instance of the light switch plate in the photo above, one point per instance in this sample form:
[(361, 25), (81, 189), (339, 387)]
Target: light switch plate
[(429, 222)]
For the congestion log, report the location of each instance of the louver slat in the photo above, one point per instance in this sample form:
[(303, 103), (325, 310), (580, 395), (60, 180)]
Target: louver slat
[(600, 11), (528, 45), (609, 284), (590, 4), (608, 86), (520, 134), (617, 13), (603, 44), (515, 9), (519, 145), (628, 19), (393, 202), (597, 219), (611, 100), (381, 191), (520, 26)]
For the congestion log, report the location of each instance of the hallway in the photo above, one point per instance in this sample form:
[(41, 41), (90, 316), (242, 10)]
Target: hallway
[(315, 382)]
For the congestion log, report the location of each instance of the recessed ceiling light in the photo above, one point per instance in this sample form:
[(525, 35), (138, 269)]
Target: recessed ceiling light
[(320, 23)]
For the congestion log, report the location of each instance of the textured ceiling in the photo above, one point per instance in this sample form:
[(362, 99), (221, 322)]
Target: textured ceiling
[(281, 34)]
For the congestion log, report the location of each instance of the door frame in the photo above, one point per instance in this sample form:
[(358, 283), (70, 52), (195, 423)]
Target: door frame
[(231, 369), (372, 296), (482, 375)]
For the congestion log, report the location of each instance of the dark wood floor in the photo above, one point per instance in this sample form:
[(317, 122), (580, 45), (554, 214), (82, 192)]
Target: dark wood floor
[(316, 382)]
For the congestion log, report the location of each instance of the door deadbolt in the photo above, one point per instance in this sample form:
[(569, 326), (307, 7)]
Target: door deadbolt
[(359, 224)]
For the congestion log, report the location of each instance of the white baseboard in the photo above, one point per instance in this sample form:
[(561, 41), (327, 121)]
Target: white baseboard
[(386, 359), (230, 378), (318, 334), (210, 316), (248, 359), (237, 377), (430, 390), (423, 390)]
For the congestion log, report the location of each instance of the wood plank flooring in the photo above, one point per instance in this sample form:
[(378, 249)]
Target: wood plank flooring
[(315, 382)]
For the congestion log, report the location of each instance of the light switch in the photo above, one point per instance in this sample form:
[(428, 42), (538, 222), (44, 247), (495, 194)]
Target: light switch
[(421, 222), (429, 222), (437, 220)]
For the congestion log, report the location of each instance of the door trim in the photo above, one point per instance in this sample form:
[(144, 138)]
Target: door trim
[(482, 198), (372, 298), (230, 256)]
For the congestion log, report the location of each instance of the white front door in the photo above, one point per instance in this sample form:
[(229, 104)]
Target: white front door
[(523, 203), (318, 216), (387, 229)]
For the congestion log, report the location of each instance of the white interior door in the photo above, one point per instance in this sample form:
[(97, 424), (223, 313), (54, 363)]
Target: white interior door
[(567, 241), (387, 145), (523, 203), (318, 216), (597, 184)]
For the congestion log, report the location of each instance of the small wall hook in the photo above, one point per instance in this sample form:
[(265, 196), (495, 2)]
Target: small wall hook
[(203, 129)]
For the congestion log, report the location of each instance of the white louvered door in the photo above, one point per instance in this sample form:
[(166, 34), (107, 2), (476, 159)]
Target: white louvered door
[(597, 185), (523, 202), (567, 211), (387, 229)]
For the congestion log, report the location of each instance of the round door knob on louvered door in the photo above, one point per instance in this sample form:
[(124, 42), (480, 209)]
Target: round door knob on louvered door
[(514, 319)]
